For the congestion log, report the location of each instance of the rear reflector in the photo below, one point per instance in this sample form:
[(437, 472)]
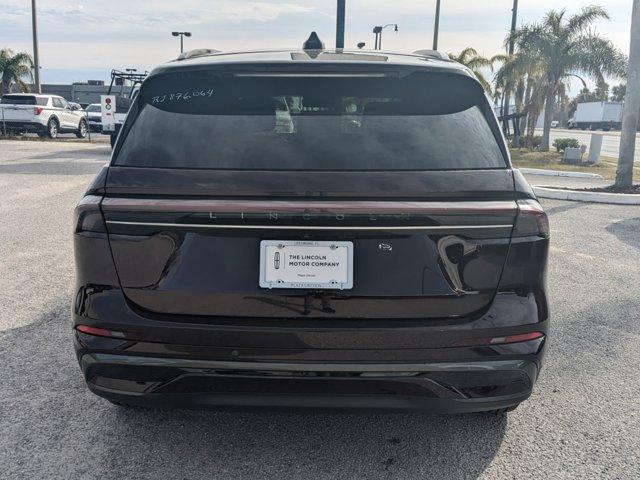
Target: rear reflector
[(522, 337), (518, 338), (99, 332)]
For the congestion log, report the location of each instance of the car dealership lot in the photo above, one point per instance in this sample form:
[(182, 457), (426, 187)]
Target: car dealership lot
[(583, 420)]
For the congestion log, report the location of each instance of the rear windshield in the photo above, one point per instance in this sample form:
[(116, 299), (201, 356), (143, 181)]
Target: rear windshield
[(253, 121), (94, 108), (23, 100)]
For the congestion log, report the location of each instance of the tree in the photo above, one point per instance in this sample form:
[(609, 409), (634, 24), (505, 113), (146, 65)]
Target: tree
[(470, 58), (624, 175), (13, 69), (522, 73), (618, 93), (567, 47)]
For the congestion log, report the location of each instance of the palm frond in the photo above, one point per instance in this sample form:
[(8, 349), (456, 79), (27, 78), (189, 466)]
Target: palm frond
[(583, 20)]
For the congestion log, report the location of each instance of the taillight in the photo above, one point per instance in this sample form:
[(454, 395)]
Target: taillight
[(531, 220), (37, 110), (88, 217)]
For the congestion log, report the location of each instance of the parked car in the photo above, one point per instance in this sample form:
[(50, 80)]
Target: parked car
[(94, 116), (555, 124), (46, 115), (305, 228)]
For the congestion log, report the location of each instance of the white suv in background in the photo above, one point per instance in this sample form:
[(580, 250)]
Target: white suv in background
[(47, 115)]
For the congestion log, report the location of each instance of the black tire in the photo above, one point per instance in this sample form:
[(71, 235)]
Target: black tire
[(82, 129), (53, 128)]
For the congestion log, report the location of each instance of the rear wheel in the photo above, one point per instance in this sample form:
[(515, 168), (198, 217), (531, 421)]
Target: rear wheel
[(82, 129), (53, 128)]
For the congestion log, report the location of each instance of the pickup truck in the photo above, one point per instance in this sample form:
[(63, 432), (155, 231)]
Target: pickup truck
[(46, 115), (94, 116)]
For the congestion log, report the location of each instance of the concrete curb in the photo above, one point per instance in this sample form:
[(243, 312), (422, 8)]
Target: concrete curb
[(593, 197), (559, 173)]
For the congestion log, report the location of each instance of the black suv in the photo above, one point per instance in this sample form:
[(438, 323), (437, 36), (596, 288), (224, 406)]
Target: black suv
[(311, 228)]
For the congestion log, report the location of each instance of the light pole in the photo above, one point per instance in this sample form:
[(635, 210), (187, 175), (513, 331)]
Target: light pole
[(340, 24), (507, 93), (436, 27), (378, 32), (36, 60), (181, 35)]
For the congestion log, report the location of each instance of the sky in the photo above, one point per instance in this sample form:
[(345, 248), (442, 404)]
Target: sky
[(82, 40)]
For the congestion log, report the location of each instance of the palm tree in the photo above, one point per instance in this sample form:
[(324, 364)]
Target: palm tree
[(566, 47), (13, 69), (624, 175), (522, 75), (469, 58)]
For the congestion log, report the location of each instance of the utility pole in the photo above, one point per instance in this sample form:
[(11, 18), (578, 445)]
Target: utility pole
[(624, 175), (507, 93), (36, 60), (436, 27), (340, 24)]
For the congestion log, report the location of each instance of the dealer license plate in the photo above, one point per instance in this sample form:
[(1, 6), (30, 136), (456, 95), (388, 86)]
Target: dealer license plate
[(304, 264)]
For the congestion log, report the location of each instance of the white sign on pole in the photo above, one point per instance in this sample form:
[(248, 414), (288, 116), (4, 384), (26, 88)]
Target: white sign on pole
[(108, 104)]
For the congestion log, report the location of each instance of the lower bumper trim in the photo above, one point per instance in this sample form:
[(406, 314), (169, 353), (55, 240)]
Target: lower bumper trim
[(305, 367), (190, 383)]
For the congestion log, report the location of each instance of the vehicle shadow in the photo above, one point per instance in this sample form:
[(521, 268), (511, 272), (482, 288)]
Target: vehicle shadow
[(52, 423), (306, 445), (626, 231)]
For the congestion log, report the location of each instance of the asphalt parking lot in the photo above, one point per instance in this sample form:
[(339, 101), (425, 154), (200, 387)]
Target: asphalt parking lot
[(583, 420)]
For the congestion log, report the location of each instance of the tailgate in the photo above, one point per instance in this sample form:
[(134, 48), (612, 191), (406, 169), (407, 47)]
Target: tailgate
[(17, 113), (437, 255)]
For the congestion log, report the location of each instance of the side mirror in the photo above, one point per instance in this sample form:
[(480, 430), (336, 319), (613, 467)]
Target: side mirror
[(74, 107)]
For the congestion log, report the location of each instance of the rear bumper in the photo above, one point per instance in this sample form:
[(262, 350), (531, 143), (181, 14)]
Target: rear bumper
[(439, 387), (348, 364), (24, 126)]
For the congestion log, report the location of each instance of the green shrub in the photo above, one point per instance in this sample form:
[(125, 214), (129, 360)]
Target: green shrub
[(562, 144)]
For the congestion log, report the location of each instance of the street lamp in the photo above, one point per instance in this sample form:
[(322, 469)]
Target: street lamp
[(378, 32), (181, 35), (36, 60)]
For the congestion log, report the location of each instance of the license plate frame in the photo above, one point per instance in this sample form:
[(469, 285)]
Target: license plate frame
[(321, 276)]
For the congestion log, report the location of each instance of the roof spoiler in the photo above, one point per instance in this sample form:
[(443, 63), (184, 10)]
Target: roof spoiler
[(432, 54), (198, 52)]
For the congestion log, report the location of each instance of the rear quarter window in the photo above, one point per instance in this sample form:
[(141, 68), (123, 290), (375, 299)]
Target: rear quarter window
[(20, 100), (212, 120)]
